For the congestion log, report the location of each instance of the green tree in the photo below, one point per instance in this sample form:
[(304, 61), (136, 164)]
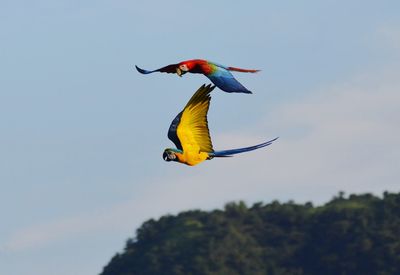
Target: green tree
[(355, 235)]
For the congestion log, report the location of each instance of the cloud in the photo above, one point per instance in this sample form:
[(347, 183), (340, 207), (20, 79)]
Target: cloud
[(343, 137), (389, 35)]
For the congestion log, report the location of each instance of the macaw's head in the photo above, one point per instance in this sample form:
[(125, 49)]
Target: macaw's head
[(184, 67), (169, 155)]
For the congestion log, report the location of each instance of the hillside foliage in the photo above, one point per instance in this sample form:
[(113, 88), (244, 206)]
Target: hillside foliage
[(359, 234)]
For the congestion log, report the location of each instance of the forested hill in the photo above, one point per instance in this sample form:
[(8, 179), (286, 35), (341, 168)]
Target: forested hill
[(347, 236)]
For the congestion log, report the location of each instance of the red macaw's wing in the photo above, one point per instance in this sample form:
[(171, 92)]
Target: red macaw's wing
[(224, 80), (221, 76), (171, 69)]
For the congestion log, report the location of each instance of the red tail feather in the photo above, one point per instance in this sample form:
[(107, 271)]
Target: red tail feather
[(242, 70)]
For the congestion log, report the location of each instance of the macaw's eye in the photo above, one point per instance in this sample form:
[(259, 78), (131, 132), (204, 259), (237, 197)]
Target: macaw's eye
[(183, 68)]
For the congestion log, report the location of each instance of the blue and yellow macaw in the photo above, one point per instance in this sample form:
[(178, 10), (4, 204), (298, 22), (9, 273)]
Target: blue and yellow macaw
[(218, 74), (190, 134)]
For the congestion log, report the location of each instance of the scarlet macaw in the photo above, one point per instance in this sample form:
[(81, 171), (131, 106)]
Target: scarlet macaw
[(190, 134), (218, 74)]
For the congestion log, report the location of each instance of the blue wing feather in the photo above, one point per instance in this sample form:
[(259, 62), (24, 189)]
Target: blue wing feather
[(227, 153), (171, 69), (143, 71), (172, 135), (224, 80)]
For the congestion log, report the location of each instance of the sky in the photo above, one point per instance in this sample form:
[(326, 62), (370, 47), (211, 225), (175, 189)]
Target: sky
[(82, 132)]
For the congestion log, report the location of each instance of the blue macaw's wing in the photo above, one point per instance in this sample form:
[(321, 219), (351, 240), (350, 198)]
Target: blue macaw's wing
[(224, 80), (172, 135), (171, 69), (227, 153)]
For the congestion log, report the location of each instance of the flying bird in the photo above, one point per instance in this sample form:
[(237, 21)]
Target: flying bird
[(218, 74), (190, 134)]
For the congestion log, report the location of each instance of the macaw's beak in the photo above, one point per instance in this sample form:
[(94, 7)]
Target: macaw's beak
[(179, 72)]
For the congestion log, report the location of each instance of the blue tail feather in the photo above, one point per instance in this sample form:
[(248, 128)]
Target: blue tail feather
[(227, 153)]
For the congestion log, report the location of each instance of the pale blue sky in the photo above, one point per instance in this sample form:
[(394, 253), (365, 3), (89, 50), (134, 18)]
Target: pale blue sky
[(82, 132)]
